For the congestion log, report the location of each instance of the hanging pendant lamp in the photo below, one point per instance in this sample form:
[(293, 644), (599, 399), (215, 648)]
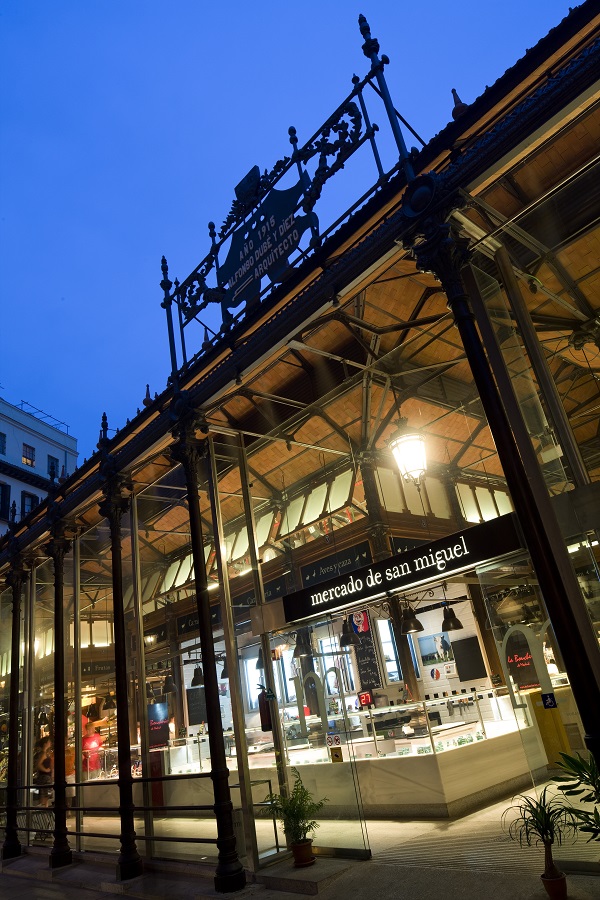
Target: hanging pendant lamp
[(409, 624), (349, 637), (149, 691), (260, 663), (224, 673), (198, 679), (109, 703), (302, 647), (450, 622), (169, 685)]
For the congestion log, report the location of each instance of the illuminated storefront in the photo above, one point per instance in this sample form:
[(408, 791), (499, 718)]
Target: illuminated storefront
[(255, 574)]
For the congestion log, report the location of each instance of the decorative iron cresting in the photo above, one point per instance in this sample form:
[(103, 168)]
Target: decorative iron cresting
[(262, 239)]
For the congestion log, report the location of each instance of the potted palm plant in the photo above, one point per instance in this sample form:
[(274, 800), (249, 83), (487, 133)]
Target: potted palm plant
[(547, 821), (297, 813), (581, 779)]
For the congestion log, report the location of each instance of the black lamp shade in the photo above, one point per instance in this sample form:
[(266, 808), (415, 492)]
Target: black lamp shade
[(302, 647), (43, 719), (349, 637), (169, 685), (198, 679), (450, 622), (260, 662), (109, 703), (149, 691), (224, 673), (409, 624)]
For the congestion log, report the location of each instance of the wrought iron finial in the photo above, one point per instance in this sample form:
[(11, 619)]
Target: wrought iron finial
[(459, 106), (103, 438), (165, 284), (13, 513), (371, 44), (147, 401)]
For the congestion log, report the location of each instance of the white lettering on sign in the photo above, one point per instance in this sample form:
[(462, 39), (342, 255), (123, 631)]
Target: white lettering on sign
[(429, 560)]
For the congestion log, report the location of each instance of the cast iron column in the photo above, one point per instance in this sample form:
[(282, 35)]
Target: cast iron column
[(113, 507), (12, 847), (60, 855), (188, 450), (440, 250)]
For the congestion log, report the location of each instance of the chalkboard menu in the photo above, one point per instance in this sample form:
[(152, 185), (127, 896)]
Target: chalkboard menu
[(366, 657), (196, 703)]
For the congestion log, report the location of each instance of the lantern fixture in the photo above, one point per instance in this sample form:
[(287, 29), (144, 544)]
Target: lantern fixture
[(408, 448)]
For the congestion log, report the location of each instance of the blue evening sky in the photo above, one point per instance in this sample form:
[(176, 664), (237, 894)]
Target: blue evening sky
[(126, 124)]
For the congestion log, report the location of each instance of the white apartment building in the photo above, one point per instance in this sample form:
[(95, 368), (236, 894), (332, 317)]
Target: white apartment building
[(32, 445)]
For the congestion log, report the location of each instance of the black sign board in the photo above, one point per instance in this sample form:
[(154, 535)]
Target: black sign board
[(366, 657), (158, 724), (520, 662), (189, 624), (336, 564), (196, 703), (455, 553), (272, 590), (98, 668), (402, 545)]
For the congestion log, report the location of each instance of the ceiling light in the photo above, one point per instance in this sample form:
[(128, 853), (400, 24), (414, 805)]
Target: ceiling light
[(409, 624), (198, 679), (408, 448), (450, 622), (349, 636)]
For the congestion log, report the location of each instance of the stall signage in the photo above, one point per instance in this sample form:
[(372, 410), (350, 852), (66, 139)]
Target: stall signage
[(158, 724), (189, 623), (336, 563), (449, 555), (272, 590), (98, 668)]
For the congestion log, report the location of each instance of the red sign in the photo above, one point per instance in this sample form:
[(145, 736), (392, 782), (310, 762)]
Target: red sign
[(365, 698)]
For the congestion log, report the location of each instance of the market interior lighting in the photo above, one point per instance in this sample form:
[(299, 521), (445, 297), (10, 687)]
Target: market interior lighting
[(449, 621), (109, 702), (410, 624), (349, 637), (302, 647), (260, 663), (169, 685), (224, 673), (408, 448), (198, 679)]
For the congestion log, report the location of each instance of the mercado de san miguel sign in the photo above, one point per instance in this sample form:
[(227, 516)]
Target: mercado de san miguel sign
[(430, 562)]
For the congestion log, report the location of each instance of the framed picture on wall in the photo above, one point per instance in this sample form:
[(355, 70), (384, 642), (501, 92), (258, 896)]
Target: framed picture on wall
[(436, 648)]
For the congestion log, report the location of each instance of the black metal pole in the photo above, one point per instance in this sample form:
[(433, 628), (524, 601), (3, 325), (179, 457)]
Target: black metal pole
[(60, 855), (12, 847), (113, 507), (444, 254), (229, 874)]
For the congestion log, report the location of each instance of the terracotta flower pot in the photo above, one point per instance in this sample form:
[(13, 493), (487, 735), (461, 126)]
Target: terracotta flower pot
[(303, 855), (556, 888)]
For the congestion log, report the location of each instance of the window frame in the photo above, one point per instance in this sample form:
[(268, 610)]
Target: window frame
[(28, 459)]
